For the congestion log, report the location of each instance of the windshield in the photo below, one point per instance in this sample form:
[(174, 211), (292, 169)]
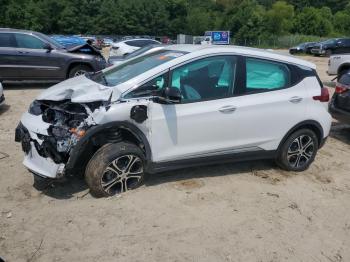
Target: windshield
[(128, 70), (330, 41)]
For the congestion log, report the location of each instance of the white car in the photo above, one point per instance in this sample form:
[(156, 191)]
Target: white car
[(181, 106), (338, 64), (2, 97), (128, 46), (117, 60)]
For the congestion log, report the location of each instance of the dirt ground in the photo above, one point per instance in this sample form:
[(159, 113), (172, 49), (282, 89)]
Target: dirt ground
[(249, 211)]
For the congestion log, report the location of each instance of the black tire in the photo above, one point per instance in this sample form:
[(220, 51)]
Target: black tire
[(292, 158), (329, 52), (106, 172), (79, 70)]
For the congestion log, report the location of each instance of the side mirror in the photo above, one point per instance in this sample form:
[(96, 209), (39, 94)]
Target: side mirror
[(48, 47), (172, 94)]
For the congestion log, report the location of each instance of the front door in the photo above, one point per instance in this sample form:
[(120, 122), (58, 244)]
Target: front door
[(34, 61), (205, 122)]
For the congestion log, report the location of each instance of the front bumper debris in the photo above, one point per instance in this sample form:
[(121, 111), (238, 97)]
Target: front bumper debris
[(37, 164)]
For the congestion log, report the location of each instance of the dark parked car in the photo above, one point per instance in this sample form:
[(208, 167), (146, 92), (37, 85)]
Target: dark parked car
[(303, 48), (332, 46), (339, 107), (28, 55)]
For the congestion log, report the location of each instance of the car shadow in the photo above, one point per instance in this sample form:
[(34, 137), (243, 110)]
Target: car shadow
[(4, 108), (341, 132), (67, 189), (217, 170), (27, 85), (76, 187)]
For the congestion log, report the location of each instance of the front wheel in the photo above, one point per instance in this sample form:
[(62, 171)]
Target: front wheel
[(79, 70), (114, 169), (298, 151)]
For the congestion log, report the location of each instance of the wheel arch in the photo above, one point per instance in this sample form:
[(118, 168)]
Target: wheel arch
[(76, 63), (343, 67), (309, 124), (100, 135)]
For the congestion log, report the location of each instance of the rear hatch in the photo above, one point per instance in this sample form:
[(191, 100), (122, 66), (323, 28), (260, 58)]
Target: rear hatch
[(342, 93)]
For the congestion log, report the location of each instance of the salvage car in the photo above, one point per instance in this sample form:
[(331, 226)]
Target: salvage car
[(340, 102), (128, 46), (303, 48), (116, 60), (182, 106), (332, 46), (29, 55), (2, 96)]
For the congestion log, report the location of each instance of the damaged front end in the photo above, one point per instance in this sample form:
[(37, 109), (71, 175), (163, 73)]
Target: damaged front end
[(49, 131)]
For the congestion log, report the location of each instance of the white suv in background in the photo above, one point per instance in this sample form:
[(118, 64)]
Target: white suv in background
[(338, 64), (181, 106), (128, 46)]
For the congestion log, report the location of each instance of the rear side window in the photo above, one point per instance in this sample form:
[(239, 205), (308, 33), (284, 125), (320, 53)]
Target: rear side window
[(134, 43), (28, 41), (263, 75), (140, 43), (6, 40)]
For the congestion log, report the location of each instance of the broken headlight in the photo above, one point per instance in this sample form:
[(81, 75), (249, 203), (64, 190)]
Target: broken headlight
[(35, 108)]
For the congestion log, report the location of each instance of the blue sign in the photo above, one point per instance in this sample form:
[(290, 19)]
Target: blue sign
[(220, 37)]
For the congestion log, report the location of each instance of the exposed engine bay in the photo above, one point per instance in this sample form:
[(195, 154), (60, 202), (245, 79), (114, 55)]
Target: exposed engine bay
[(68, 122)]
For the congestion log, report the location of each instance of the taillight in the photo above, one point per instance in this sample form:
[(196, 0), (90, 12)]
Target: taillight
[(324, 97), (339, 88)]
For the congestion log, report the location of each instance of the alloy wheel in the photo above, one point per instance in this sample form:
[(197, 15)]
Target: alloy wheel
[(122, 174), (301, 151), (80, 72)]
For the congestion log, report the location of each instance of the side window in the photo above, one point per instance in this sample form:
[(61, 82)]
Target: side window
[(205, 79), (152, 86), (263, 75), (28, 41), (134, 43), (6, 40)]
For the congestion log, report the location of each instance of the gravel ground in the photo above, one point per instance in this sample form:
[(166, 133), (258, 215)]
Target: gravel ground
[(249, 211)]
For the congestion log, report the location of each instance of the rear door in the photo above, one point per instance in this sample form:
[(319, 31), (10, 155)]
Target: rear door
[(269, 105), (35, 61), (8, 57)]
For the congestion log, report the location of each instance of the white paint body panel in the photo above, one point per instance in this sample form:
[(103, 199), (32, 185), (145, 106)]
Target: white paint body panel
[(336, 61), (260, 121)]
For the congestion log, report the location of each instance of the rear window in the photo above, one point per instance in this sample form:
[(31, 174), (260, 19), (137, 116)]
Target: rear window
[(137, 66), (263, 75)]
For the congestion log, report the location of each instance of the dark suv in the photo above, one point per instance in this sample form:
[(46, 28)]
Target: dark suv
[(339, 107), (28, 55), (332, 46)]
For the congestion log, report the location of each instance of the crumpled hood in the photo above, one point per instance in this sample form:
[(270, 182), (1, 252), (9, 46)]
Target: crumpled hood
[(79, 90), (85, 48)]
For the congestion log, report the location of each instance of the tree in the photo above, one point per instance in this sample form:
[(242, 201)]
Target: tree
[(311, 22), (278, 20)]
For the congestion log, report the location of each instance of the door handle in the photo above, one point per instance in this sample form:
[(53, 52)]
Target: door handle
[(227, 109), (295, 99), (23, 52)]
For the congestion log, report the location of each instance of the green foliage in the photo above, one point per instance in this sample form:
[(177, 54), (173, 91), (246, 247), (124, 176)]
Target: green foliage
[(248, 20)]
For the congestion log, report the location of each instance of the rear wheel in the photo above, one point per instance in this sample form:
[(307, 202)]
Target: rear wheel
[(114, 169), (79, 70), (298, 151)]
